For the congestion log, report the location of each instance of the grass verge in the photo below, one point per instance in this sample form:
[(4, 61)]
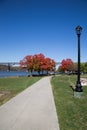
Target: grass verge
[(9, 87), (72, 112)]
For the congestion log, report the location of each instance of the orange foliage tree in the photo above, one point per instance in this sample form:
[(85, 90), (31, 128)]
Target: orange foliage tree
[(37, 62), (66, 65)]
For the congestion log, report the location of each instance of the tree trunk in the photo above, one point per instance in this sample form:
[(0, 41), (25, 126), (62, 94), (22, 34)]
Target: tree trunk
[(30, 73)]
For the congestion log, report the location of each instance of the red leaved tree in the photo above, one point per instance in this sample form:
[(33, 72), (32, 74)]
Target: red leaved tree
[(48, 64), (66, 65), (27, 62), (37, 62)]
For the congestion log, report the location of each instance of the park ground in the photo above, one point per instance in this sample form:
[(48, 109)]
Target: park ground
[(72, 112)]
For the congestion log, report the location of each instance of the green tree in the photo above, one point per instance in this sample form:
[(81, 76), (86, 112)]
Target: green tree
[(85, 67)]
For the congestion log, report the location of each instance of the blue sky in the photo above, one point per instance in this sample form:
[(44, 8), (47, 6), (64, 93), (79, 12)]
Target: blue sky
[(42, 26)]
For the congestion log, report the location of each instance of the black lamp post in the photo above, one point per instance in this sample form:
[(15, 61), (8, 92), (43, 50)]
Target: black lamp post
[(78, 84)]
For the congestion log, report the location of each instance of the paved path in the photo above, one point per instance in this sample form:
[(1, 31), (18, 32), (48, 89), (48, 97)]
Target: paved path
[(33, 109)]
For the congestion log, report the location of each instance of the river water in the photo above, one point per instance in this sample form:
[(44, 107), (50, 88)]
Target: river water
[(13, 73), (16, 73)]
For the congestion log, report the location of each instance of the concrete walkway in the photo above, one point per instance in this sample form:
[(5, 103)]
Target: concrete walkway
[(32, 109)]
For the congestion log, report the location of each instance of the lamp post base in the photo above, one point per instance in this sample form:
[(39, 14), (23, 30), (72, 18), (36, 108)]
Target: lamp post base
[(78, 87), (78, 94)]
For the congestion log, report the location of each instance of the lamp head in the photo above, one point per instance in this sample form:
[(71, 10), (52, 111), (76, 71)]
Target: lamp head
[(78, 30)]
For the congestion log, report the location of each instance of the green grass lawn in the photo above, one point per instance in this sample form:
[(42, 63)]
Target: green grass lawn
[(72, 112), (9, 87)]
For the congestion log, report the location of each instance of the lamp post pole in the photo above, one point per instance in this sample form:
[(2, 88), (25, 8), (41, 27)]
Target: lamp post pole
[(78, 88)]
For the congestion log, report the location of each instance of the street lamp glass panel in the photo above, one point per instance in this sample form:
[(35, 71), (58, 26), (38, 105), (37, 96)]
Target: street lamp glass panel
[(78, 30)]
